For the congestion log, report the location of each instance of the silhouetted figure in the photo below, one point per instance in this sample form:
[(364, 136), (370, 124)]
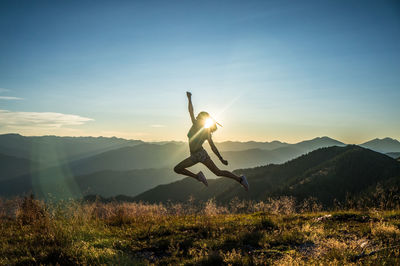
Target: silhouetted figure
[(203, 127)]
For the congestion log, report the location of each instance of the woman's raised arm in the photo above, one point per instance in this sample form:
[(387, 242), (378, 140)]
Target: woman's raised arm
[(191, 111)]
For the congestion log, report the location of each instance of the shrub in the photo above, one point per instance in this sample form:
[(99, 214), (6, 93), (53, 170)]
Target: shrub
[(31, 211)]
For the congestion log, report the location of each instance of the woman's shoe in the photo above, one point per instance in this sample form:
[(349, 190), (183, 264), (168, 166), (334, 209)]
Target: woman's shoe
[(244, 182), (202, 178)]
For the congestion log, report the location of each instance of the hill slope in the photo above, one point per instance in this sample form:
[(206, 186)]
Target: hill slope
[(56, 179), (148, 155), (394, 155), (327, 174), (248, 145), (142, 156), (51, 150), (11, 166), (385, 145), (130, 183), (60, 183)]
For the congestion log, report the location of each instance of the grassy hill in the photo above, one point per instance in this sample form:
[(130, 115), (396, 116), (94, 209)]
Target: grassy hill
[(32, 233), (352, 172), (327, 174)]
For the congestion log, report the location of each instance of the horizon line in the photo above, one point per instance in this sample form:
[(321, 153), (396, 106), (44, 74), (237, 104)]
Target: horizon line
[(184, 141)]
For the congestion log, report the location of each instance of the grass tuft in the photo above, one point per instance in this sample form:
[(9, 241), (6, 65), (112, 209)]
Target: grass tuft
[(32, 232)]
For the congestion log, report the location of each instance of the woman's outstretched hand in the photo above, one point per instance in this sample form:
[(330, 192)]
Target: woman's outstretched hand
[(189, 94), (225, 162)]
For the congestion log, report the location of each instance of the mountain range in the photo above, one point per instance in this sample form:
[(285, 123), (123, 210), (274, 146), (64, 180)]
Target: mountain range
[(147, 155), (107, 183), (385, 145), (78, 166), (80, 177), (53, 150), (326, 174), (11, 166), (394, 155)]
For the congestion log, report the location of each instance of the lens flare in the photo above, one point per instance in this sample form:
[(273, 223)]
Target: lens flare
[(209, 122)]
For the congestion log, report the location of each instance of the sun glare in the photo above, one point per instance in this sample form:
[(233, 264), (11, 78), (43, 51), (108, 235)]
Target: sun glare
[(209, 122)]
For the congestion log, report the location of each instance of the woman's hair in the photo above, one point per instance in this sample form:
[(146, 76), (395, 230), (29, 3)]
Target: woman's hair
[(202, 117)]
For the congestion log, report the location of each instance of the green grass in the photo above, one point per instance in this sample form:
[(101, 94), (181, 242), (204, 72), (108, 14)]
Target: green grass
[(140, 234)]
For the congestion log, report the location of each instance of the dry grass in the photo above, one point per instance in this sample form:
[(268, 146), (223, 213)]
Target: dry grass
[(277, 232)]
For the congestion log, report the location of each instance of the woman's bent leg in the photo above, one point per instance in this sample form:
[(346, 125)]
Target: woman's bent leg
[(180, 168), (211, 165)]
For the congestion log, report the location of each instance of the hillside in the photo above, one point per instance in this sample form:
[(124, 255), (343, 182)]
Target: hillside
[(110, 183), (141, 156), (316, 143), (148, 155), (57, 179), (257, 157), (238, 145), (248, 145), (108, 174), (81, 233), (327, 174), (61, 183), (385, 145), (394, 155), (84, 155), (285, 152), (51, 150), (11, 166), (354, 171)]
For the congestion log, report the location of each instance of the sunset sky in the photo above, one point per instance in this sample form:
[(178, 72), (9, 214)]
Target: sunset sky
[(267, 70)]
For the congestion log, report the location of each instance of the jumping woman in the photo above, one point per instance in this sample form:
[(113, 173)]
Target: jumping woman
[(202, 128)]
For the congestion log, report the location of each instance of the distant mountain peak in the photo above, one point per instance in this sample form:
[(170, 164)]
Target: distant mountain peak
[(384, 145), (277, 141), (326, 138), (11, 135), (322, 139), (390, 139), (383, 139)]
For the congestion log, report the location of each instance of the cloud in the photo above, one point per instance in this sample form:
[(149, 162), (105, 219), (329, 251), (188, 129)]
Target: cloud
[(157, 125), (36, 119), (10, 98)]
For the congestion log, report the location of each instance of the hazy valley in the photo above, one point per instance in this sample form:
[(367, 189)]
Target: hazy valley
[(65, 167)]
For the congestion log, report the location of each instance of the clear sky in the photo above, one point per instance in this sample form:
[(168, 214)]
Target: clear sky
[(285, 70)]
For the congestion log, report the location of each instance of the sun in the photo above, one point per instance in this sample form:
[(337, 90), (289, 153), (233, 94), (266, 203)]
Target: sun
[(209, 122)]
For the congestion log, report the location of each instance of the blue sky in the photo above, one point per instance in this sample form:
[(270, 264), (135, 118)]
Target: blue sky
[(286, 70)]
